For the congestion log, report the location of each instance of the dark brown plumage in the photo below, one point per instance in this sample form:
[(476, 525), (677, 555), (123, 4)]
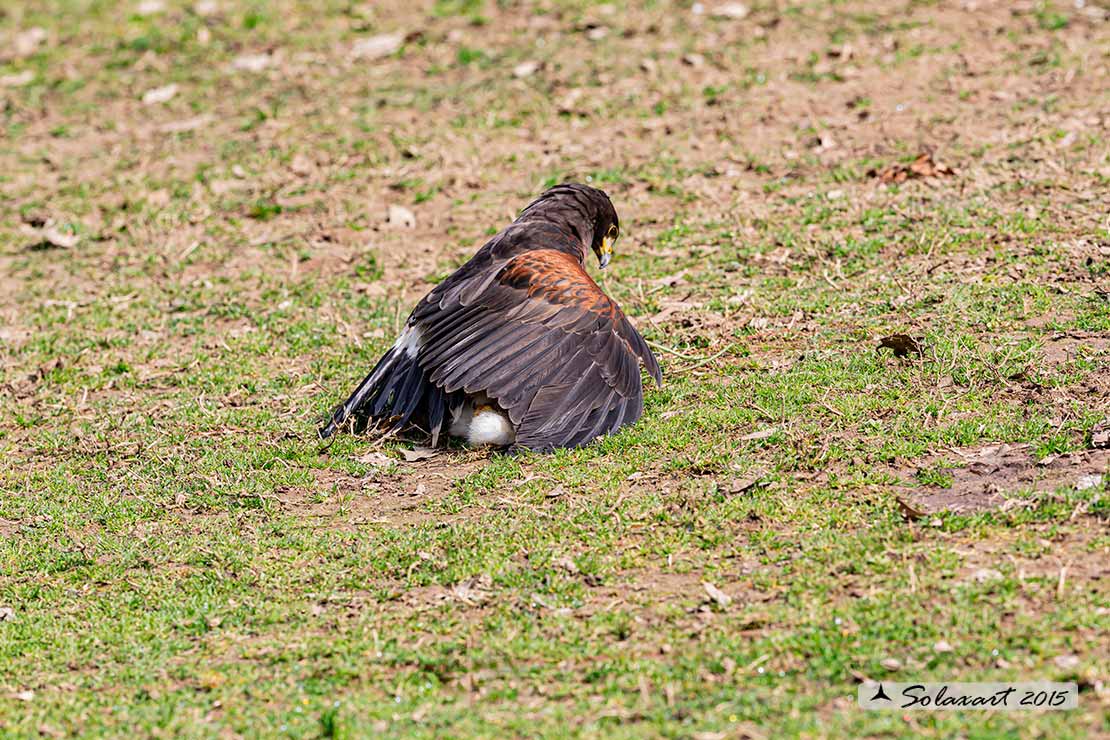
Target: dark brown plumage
[(521, 330)]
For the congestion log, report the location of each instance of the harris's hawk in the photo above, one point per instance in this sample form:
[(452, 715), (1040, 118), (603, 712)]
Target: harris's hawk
[(519, 347)]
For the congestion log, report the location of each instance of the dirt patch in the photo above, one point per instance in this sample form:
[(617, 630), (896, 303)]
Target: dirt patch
[(1070, 559), (9, 527), (398, 498), (981, 479), (1065, 347)]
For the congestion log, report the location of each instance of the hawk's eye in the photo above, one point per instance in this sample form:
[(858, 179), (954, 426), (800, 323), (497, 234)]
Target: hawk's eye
[(613, 232)]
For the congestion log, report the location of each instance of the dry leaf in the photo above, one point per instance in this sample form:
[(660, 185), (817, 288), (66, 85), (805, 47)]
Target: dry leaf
[(302, 165), (986, 574), (418, 453), (401, 217), (671, 281), (731, 11), (761, 434), (159, 94), (902, 344), (26, 42), (910, 513), (1066, 662), (923, 166), (568, 565), (49, 235), (19, 79), (526, 69), (186, 124), (251, 62), (375, 459), (377, 47), (670, 308), (719, 597), (211, 680), (60, 239), (7, 614), (739, 485), (556, 492), (474, 591)]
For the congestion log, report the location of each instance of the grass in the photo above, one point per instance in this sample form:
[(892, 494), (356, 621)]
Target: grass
[(182, 558)]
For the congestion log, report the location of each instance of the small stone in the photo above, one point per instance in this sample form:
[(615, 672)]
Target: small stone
[(891, 664), (942, 646)]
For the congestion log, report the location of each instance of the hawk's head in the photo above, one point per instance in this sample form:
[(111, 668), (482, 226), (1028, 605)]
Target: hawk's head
[(583, 211)]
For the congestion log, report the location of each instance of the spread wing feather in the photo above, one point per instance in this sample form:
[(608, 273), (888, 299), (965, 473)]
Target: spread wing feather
[(536, 334)]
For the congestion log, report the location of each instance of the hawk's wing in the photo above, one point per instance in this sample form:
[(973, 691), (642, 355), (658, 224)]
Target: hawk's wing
[(537, 334)]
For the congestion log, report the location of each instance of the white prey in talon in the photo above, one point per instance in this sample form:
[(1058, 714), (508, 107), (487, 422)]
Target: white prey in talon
[(480, 422)]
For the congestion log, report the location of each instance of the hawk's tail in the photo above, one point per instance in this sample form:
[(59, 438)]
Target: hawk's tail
[(396, 389)]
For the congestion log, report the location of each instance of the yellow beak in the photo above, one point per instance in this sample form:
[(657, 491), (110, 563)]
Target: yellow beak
[(606, 252)]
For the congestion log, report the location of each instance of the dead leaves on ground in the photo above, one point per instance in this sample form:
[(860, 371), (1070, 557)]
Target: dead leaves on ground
[(418, 453), (923, 166)]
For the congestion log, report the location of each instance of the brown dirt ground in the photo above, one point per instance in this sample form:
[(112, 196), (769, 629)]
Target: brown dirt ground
[(984, 478)]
